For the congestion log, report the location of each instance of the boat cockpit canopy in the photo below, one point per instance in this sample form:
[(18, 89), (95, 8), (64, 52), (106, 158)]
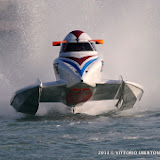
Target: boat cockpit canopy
[(75, 47)]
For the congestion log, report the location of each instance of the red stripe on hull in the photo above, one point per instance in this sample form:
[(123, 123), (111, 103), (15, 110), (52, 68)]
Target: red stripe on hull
[(77, 33), (79, 60)]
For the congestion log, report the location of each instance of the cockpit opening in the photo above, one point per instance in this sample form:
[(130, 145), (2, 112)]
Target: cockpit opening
[(75, 47)]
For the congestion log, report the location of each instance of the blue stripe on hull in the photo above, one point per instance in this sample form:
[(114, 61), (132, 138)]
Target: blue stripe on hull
[(81, 71)]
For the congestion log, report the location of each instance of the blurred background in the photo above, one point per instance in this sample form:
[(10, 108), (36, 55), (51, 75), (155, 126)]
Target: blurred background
[(130, 29)]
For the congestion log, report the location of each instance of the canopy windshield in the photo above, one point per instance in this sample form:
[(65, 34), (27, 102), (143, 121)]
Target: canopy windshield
[(74, 47)]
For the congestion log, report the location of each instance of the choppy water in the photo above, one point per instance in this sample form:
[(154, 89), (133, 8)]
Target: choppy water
[(130, 30), (66, 136)]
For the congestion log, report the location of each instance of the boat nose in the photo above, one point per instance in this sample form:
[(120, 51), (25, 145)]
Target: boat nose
[(86, 79)]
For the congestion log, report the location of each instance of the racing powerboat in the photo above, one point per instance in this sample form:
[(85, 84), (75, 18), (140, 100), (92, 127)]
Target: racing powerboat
[(78, 70)]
